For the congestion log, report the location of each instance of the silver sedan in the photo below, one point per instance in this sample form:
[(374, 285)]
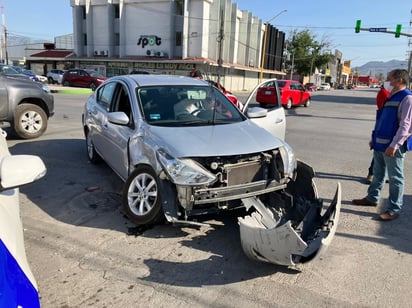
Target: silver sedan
[(183, 149)]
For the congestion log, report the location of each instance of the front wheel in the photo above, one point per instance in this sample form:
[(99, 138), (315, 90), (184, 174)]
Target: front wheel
[(66, 83), (94, 157), (308, 102), (142, 197), (30, 121)]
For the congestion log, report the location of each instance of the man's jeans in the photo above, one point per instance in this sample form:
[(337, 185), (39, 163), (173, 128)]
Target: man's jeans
[(394, 167)]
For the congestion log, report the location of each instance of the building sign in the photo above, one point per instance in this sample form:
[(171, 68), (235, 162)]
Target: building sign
[(150, 40), (168, 66)]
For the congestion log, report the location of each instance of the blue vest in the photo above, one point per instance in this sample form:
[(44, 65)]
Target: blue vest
[(387, 122)]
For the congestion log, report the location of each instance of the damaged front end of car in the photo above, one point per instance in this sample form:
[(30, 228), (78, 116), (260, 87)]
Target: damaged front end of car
[(206, 185), (289, 227), (285, 225)]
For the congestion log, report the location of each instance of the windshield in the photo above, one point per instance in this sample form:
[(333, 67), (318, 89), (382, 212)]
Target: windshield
[(186, 106)]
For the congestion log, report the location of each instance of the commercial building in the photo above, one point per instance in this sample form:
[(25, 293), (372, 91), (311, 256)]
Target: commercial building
[(171, 37)]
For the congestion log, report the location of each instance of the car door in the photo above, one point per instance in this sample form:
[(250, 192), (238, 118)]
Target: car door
[(274, 119), (114, 136), (299, 93)]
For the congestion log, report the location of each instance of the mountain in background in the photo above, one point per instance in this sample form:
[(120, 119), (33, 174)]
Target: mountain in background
[(374, 68), (17, 40)]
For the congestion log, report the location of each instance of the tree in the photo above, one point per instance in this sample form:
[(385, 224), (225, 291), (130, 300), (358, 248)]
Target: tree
[(305, 53)]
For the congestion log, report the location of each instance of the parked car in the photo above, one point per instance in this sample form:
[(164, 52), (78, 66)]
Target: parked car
[(24, 71), (292, 93), (310, 86), (26, 106), (184, 150), (82, 78), (324, 87), (18, 285), (55, 76), (11, 72), (341, 86)]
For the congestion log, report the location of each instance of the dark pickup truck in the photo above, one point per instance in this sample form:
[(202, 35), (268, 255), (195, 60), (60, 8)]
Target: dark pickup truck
[(25, 105)]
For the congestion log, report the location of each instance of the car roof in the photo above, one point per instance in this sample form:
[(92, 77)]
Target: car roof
[(160, 80)]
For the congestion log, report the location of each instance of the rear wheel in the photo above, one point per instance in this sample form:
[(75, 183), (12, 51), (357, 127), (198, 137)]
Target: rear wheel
[(289, 104), (30, 121), (142, 197)]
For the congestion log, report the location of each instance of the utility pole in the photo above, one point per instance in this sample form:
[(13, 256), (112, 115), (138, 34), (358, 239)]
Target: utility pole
[(2, 36), (5, 45), (220, 39)]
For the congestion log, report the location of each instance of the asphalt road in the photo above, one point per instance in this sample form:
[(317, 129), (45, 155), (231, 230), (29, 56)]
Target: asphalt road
[(84, 252)]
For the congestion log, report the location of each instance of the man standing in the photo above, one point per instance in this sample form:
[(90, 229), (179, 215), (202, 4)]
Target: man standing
[(393, 127)]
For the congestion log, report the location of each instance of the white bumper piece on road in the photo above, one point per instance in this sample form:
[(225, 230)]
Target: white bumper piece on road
[(295, 232)]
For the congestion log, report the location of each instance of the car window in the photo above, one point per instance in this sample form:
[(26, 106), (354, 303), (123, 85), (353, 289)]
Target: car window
[(105, 95), (297, 86), (281, 83)]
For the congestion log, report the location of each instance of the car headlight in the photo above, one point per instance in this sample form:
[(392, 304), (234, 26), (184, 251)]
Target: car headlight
[(45, 88), (184, 171), (289, 160)]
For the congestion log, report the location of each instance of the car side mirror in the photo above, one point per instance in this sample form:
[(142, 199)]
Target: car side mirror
[(118, 117), (18, 170), (256, 112)]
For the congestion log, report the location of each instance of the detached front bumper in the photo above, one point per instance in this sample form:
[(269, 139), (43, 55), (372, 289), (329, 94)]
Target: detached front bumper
[(290, 228)]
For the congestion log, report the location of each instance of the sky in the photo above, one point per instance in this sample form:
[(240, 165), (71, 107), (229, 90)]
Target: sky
[(326, 20)]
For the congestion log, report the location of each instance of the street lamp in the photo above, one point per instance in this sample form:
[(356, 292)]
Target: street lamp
[(264, 43)]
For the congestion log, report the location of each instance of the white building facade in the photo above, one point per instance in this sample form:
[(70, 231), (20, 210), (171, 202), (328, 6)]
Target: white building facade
[(172, 37)]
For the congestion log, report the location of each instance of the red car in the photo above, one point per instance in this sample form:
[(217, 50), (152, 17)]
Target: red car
[(310, 86), (82, 78), (292, 94)]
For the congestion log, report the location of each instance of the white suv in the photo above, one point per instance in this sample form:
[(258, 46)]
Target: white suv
[(55, 76)]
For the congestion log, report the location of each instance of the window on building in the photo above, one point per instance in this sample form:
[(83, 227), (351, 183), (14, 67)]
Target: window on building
[(84, 39), (84, 11), (116, 11), (179, 7), (178, 38), (116, 39)]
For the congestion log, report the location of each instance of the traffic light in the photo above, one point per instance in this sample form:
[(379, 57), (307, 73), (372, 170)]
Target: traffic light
[(398, 30), (357, 27)]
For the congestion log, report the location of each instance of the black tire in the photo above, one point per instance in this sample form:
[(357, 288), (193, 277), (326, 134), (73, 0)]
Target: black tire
[(30, 121), (66, 83), (93, 156), (93, 86), (289, 104), (50, 80), (141, 198), (308, 102)]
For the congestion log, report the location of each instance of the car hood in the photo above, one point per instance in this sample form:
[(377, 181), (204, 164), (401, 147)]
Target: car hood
[(214, 140)]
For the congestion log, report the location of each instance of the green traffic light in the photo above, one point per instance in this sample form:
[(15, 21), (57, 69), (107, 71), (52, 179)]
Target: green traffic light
[(358, 25), (398, 30)]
